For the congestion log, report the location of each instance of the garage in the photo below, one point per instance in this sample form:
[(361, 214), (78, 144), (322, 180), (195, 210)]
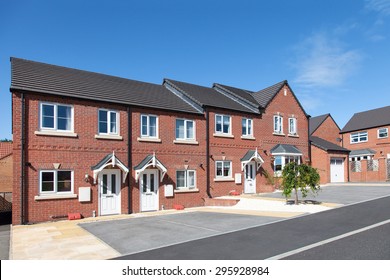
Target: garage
[(336, 170)]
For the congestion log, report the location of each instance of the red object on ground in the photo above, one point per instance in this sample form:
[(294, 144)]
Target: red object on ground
[(234, 193), (178, 207), (74, 216)]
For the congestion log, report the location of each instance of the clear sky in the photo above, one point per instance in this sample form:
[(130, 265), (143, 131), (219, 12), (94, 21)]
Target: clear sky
[(335, 54)]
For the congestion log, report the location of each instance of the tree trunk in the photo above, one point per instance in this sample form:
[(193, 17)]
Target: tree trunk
[(296, 196)]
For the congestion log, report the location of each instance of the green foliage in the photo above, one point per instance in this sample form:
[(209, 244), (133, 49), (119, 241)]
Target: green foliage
[(5, 140), (299, 177)]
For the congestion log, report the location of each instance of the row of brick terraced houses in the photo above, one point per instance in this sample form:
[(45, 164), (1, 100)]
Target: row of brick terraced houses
[(92, 144)]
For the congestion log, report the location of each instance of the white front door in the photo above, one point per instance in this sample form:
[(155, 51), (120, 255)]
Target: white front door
[(250, 178), (109, 185), (336, 170), (149, 190)]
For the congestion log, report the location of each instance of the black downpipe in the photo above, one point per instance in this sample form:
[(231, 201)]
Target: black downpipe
[(208, 153), (129, 160), (308, 138), (23, 163)]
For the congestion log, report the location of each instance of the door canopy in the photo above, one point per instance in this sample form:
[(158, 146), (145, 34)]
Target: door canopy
[(252, 155), (109, 160), (150, 161)]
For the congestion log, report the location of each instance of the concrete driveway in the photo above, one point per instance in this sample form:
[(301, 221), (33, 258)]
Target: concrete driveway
[(343, 194), (131, 236)]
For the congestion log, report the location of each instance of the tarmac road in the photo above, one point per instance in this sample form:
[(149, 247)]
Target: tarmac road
[(279, 238)]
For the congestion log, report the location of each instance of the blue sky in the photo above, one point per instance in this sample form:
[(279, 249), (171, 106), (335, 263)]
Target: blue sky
[(334, 53)]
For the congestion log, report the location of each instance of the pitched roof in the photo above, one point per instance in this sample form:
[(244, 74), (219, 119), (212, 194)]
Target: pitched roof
[(326, 145), (240, 93), (285, 149), (45, 78), (265, 96), (205, 96), (368, 119), (5, 149), (315, 122)]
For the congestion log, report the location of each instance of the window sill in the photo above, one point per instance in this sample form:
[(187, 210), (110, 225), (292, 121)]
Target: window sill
[(293, 135), (248, 137), (278, 134), (54, 196), (154, 140), (227, 179), (56, 133), (223, 135), (184, 190), (108, 137), (187, 142)]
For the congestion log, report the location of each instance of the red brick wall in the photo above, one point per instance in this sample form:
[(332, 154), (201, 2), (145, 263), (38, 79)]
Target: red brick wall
[(328, 131), (6, 174), (381, 146), (370, 176), (264, 141)]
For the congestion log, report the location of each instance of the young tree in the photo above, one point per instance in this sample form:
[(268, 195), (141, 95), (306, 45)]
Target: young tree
[(299, 177)]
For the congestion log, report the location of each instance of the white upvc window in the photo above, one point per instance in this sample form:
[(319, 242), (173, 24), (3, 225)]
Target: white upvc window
[(278, 124), (56, 182), (56, 117), (185, 129), (383, 133), (223, 124), (292, 126), (223, 169), (185, 179), (247, 127), (108, 122), (280, 162), (359, 137), (149, 126)]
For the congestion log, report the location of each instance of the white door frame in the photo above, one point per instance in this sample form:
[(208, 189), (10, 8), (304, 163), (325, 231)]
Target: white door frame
[(250, 182), (149, 196), (115, 197)]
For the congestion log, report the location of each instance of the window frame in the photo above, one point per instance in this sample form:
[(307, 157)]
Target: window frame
[(280, 124), (186, 138), (284, 158), (147, 136), (230, 176), (55, 182), (248, 124), (187, 185), (55, 117), (117, 119), (293, 131), (387, 133), (222, 123), (358, 136)]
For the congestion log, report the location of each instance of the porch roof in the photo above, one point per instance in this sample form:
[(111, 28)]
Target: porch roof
[(285, 149), (108, 160), (362, 152), (251, 155), (150, 161)]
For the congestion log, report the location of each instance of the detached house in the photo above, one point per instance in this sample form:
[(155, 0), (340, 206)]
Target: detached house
[(95, 144), (366, 134)]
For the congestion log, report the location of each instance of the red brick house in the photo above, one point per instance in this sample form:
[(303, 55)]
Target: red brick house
[(366, 134), (95, 144), (328, 156)]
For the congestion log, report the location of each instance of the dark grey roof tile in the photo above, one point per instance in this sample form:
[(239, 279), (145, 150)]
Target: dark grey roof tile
[(368, 119), (326, 145)]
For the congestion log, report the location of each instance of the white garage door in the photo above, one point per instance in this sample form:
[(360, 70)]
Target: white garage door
[(336, 170)]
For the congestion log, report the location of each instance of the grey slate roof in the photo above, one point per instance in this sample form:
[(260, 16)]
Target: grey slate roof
[(205, 96), (326, 145), (33, 76), (368, 119), (264, 96), (362, 152), (315, 122), (285, 149), (240, 93), (248, 155)]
